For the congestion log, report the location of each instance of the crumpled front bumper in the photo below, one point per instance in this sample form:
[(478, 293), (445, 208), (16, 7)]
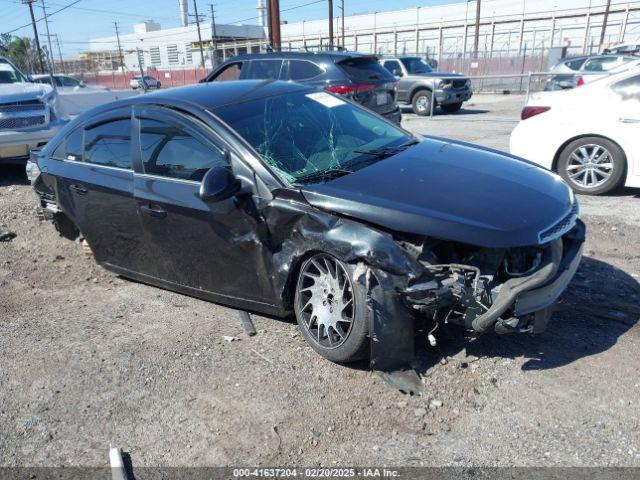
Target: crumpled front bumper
[(528, 302)]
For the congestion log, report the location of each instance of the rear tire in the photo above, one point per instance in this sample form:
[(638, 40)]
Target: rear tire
[(330, 309), (451, 107), (421, 102), (592, 165)]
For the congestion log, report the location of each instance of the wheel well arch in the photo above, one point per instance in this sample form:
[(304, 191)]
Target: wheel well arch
[(418, 89), (289, 291), (556, 157)]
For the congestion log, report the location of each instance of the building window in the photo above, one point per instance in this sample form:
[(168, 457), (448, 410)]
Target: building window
[(172, 54), (154, 53), (189, 54)]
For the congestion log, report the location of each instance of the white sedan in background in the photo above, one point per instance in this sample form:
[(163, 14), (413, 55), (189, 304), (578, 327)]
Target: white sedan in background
[(589, 135)]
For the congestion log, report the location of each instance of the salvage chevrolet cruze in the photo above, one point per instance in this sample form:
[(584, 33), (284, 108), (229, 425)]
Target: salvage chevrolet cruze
[(276, 198)]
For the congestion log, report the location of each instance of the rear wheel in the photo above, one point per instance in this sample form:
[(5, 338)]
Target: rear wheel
[(592, 165), (451, 107), (421, 102), (330, 309)]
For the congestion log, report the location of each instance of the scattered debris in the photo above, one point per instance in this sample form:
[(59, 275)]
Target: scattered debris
[(262, 356), (420, 412), (407, 381), (247, 324), (433, 404), (6, 235), (230, 339)]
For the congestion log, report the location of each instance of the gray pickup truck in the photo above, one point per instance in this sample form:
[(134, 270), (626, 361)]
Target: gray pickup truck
[(417, 80)]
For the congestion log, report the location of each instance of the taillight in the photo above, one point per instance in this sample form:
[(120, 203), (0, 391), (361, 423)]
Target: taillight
[(396, 84), (346, 89), (580, 81), (528, 112)]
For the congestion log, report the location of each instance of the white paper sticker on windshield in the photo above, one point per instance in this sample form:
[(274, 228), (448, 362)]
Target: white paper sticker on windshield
[(325, 99)]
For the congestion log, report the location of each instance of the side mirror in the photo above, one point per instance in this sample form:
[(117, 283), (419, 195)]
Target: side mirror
[(219, 184), (82, 84), (397, 72)]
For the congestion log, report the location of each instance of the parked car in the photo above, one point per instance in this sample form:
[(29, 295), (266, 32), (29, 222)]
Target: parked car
[(577, 71), (417, 80), (356, 76), (65, 82), (279, 198), (589, 135), (28, 114), (632, 48), (147, 82)]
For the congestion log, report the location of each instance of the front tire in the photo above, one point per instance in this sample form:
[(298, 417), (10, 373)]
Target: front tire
[(451, 107), (421, 103), (330, 309), (592, 165)]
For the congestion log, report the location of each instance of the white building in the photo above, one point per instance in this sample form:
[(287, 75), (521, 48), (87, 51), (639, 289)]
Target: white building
[(173, 47)]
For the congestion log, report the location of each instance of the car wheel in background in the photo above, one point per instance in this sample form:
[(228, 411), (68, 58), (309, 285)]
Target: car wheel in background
[(330, 309), (421, 103), (451, 107), (592, 165)]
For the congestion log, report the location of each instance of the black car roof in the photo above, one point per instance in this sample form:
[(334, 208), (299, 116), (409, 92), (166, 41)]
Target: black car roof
[(207, 95), (335, 56)]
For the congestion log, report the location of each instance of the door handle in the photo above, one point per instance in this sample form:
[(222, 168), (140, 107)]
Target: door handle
[(79, 189), (629, 120), (153, 210)]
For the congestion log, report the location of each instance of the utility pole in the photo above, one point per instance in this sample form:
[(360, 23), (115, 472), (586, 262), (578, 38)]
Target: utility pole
[(50, 52), (143, 82), (476, 36), (195, 11), (330, 24), (64, 70), (604, 23), (342, 25), (35, 33), (120, 57), (214, 41), (273, 11)]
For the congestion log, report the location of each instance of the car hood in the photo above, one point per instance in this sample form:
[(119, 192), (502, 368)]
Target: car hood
[(451, 190), (20, 92)]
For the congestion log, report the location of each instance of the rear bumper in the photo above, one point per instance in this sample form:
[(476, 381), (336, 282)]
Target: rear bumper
[(453, 95), (15, 145), (394, 116)]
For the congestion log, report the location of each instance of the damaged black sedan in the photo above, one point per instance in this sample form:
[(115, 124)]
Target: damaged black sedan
[(276, 198)]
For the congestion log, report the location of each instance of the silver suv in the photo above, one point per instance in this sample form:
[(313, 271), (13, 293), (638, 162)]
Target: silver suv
[(417, 81)]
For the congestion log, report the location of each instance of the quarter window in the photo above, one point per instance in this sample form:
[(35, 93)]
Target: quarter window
[(169, 150), (303, 70), (109, 144), (71, 147)]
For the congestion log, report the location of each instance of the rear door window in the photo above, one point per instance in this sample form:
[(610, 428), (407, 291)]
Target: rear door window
[(170, 150), (263, 69), (303, 70), (109, 143), (575, 64), (365, 70)]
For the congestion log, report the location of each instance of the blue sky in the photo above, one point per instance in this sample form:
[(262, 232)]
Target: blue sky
[(94, 18)]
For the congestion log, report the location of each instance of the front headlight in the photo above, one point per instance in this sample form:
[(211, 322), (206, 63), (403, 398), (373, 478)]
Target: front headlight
[(52, 101), (33, 171), (443, 83)]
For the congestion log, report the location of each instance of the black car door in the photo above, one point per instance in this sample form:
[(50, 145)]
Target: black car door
[(94, 187), (204, 246)]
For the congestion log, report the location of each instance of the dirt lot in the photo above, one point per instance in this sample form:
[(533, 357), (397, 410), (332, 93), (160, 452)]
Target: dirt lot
[(88, 359)]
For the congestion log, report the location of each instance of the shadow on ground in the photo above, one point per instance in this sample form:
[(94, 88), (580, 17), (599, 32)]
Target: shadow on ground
[(12, 175), (601, 304), (437, 112)]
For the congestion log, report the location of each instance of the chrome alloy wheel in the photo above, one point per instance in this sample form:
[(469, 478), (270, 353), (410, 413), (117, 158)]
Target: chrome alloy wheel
[(422, 103), (325, 301), (590, 166)]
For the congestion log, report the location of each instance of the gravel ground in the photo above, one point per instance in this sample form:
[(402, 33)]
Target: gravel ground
[(88, 359)]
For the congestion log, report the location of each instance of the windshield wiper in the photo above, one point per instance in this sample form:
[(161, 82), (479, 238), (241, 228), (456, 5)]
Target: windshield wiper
[(385, 152), (323, 175)]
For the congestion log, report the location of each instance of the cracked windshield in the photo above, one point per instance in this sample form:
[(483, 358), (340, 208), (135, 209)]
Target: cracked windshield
[(312, 137)]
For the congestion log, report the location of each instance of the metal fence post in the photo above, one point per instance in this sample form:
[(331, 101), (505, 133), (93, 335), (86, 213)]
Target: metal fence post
[(433, 98), (528, 88)]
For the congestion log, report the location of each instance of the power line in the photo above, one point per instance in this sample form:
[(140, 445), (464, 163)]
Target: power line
[(40, 19)]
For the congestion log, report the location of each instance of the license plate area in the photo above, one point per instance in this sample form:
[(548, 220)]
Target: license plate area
[(381, 99)]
